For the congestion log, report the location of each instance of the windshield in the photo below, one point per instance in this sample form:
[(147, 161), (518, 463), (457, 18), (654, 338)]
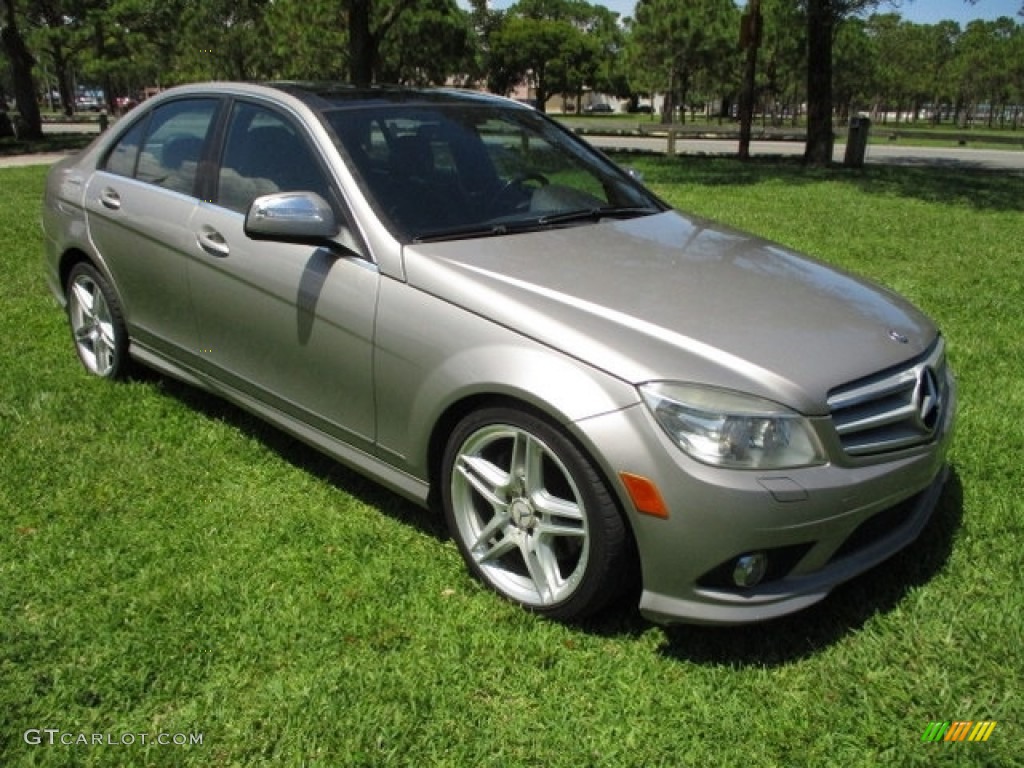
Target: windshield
[(445, 171)]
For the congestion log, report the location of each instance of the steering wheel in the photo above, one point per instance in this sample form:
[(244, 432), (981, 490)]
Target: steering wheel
[(516, 183)]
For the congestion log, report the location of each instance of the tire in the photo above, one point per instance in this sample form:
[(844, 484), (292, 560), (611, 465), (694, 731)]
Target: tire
[(531, 516), (97, 323)]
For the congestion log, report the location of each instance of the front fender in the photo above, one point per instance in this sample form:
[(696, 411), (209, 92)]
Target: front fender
[(432, 355)]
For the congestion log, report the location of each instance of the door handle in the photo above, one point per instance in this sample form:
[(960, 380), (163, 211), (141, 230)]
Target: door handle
[(213, 242), (110, 199)]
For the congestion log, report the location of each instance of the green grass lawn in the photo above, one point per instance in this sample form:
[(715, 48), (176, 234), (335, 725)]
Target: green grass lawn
[(169, 565)]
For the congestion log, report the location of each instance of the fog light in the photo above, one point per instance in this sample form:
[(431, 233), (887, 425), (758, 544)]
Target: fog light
[(750, 569)]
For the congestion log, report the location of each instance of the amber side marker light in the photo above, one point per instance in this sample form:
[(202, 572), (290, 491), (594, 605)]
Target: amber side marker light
[(645, 495)]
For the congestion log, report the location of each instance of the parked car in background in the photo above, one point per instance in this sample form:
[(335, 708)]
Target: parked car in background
[(88, 102), (124, 103), (458, 297), (598, 109)]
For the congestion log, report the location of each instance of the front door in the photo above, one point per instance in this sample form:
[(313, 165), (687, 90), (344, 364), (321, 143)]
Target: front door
[(287, 324)]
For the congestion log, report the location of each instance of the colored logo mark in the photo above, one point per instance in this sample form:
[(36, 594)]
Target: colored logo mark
[(960, 730)]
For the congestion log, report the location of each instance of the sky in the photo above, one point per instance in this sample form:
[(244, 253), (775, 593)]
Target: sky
[(932, 11), (918, 11)]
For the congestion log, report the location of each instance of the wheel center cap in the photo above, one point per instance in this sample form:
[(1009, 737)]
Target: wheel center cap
[(522, 514)]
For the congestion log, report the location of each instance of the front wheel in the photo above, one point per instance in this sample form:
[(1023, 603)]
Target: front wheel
[(97, 325), (531, 516)]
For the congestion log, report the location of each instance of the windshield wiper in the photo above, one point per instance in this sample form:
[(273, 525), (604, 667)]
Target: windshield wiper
[(472, 231), (596, 214), (526, 225)]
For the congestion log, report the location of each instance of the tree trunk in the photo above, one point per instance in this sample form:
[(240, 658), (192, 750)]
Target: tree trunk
[(63, 76), (820, 22), (101, 54), (541, 90), (751, 36), (668, 106), (361, 49), (22, 62), (683, 90)]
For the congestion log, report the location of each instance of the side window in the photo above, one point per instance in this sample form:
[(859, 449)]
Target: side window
[(264, 154), (170, 155), (122, 157)]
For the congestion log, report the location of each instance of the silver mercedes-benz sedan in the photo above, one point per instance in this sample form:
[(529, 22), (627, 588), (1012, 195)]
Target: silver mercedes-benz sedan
[(459, 298)]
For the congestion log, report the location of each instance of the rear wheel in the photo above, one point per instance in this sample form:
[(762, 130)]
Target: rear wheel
[(97, 325), (531, 516)]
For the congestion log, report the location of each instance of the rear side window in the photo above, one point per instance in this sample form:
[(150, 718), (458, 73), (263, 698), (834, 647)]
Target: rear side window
[(121, 159), (169, 155)]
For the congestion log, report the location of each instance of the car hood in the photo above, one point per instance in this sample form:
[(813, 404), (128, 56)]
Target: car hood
[(674, 297)]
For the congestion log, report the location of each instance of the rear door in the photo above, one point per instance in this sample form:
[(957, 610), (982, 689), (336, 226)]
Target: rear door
[(139, 205)]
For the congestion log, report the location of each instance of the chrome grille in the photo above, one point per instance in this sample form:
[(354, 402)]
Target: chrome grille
[(894, 410)]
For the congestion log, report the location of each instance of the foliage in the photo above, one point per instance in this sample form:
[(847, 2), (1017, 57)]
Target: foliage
[(523, 47), (937, 61), (309, 40), (940, 69), (124, 46), (556, 46), (428, 46), (673, 45), (855, 70), (223, 40), (846, 63), (782, 58), (990, 67)]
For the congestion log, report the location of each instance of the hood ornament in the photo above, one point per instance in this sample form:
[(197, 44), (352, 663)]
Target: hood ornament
[(897, 336)]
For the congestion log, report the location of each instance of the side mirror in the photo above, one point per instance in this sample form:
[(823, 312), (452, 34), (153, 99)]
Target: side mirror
[(291, 216)]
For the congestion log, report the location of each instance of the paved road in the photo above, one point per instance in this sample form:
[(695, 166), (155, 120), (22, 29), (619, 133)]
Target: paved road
[(952, 157), (49, 158), (42, 158)]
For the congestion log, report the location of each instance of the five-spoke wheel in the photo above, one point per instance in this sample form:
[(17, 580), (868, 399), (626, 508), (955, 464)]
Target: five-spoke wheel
[(97, 326), (531, 516)]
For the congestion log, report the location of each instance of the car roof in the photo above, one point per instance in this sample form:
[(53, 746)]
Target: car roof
[(332, 95), (329, 96), (326, 95)]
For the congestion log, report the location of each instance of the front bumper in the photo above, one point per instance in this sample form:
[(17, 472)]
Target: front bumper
[(797, 591), (823, 525)]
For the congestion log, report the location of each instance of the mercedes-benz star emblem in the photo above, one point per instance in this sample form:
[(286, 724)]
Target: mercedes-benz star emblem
[(897, 336), (927, 400)]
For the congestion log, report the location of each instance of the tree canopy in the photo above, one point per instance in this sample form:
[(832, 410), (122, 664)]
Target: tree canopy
[(826, 54), (674, 46), (555, 46)]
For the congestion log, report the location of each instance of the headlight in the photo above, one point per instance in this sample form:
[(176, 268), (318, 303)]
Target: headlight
[(730, 429)]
